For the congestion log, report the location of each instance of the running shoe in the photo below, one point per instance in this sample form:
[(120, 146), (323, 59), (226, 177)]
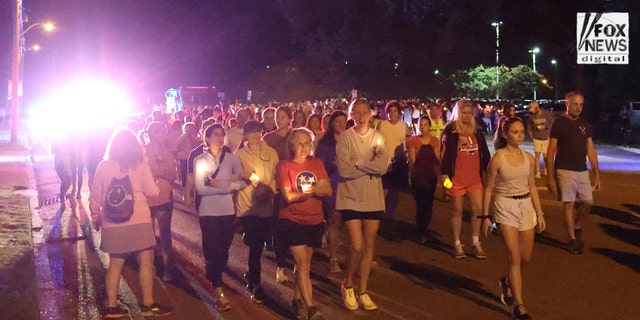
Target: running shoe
[(298, 308), (506, 297), (257, 295), (154, 310), (349, 298), (222, 303), (458, 251), (575, 247), (115, 312), (478, 252), (520, 313), (314, 314), (366, 302)]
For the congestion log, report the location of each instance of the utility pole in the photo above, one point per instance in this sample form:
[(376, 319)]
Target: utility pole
[(497, 26), (15, 70)]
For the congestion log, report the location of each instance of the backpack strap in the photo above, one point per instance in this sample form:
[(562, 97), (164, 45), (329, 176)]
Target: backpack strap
[(215, 173)]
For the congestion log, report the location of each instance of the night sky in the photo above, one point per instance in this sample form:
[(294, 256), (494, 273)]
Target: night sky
[(335, 45)]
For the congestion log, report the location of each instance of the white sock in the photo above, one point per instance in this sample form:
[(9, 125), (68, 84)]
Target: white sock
[(476, 240), (457, 242)]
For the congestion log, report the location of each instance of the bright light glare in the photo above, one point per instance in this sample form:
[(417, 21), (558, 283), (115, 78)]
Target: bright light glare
[(48, 26), (81, 108)]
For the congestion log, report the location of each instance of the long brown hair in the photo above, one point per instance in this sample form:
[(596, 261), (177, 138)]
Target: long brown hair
[(124, 148)]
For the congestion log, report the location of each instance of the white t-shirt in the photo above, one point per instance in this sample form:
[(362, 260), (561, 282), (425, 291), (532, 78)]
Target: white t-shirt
[(394, 135)]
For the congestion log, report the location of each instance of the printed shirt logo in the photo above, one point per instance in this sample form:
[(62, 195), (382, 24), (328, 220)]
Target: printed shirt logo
[(305, 179), (602, 38), (583, 130), (468, 146), (540, 123)]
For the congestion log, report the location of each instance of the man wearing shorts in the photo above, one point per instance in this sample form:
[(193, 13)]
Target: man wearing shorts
[(569, 144), (539, 127)]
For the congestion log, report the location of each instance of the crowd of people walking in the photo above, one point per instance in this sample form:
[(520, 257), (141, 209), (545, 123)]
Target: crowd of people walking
[(294, 175)]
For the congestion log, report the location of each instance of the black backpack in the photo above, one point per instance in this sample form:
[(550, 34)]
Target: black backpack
[(118, 203)]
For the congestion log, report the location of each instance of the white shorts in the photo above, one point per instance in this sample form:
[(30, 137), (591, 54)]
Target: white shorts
[(517, 213), (540, 146), (573, 186)]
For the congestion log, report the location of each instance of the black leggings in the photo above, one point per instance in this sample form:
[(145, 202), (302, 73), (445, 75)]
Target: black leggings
[(257, 231), (424, 201), (217, 235)]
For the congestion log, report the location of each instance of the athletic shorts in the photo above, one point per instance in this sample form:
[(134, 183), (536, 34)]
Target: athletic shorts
[(517, 213), (573, 186), (540, 146), (296, 234), (361, 215), (459, 191)]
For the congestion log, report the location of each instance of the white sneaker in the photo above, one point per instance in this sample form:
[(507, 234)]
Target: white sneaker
[(366, 302), (349, 298), (538, 176)]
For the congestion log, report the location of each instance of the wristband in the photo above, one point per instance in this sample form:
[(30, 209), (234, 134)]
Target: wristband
[(540, 214)]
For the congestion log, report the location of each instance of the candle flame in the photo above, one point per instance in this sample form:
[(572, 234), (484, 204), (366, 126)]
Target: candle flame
[(254, 178)]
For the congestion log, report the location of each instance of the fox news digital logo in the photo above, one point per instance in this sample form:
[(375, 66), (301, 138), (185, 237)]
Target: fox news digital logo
[(603, 38)]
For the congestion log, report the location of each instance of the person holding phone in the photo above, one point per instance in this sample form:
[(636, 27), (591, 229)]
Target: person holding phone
[(511, 179)]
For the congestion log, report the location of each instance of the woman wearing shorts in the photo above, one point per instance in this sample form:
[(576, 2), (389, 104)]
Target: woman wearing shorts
[(511, 179), (362, 160), (303, 180), (465, 156)]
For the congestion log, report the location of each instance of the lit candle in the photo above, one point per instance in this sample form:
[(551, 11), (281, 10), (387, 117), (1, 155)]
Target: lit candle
[(202, 167), (254, 178), (378, 144)]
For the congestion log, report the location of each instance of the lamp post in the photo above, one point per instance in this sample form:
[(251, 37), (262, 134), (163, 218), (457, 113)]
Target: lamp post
[(555, 86), (533, 52), (497, 26), (16, 65)]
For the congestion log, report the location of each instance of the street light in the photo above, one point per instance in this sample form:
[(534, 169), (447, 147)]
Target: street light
[(555, 86), (16, 65), (47, 26), (497, 26), (533, 52)]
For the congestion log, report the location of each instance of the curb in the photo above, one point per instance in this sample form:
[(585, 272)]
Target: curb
[(47, 300)]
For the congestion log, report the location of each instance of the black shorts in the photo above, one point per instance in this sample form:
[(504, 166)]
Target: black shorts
[(362, 215), (398, 177), (295, 234)]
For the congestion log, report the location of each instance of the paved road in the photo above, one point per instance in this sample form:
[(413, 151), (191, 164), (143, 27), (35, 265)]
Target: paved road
[(409, 282)]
